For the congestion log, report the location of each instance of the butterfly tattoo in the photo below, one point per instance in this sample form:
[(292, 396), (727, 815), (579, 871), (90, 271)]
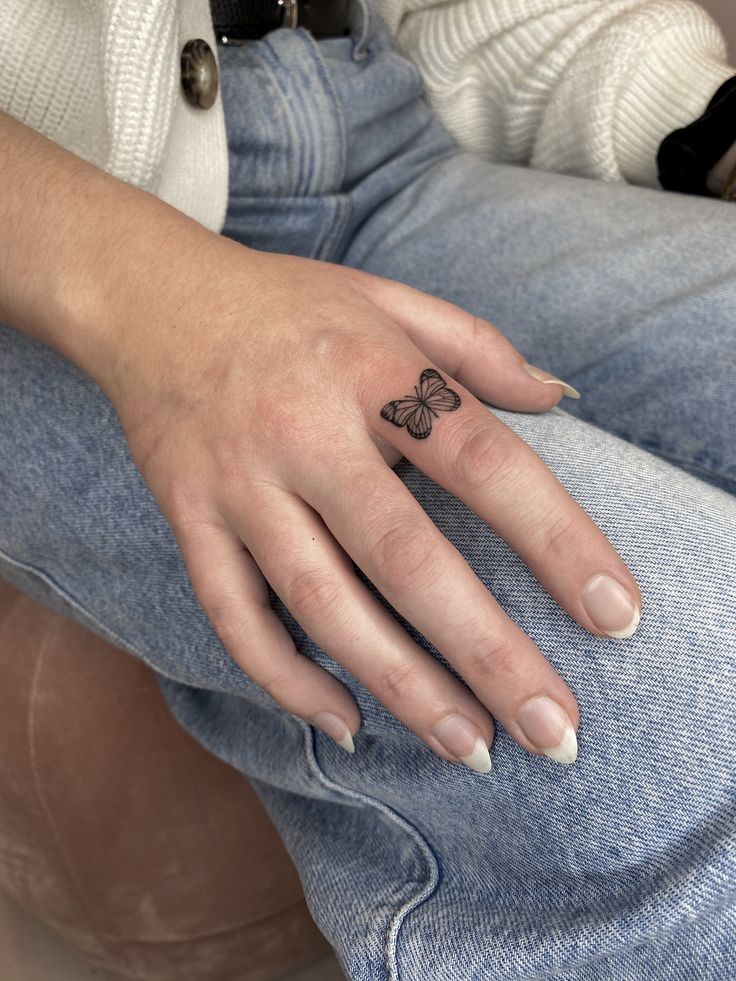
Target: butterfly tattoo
[(416, 411)]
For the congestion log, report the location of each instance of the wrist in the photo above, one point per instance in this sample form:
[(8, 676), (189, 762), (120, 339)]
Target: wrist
[(128, 283), (721, 176), (89, 264)]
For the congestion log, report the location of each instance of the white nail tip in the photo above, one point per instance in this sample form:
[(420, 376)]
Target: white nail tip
[(539, 375), (567, 751), (627, 631), (346, 742), (571, 392), (480, 759)]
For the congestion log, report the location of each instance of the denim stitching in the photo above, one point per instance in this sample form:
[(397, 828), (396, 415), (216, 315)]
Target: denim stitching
[(334, 231), (98, 625), (268, 63), (338, 114), (414, 833)]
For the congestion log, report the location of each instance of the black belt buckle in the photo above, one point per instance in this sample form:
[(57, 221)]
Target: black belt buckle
[(240, 21), (324, 18), (290, 12)]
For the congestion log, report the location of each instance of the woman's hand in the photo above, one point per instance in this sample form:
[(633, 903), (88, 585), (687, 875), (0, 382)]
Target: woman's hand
[(250, 389)]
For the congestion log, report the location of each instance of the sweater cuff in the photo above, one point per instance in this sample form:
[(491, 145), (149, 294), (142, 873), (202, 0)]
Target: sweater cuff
[(670, 87)]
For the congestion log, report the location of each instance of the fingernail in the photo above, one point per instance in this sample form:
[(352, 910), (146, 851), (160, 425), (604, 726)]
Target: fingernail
[(547, 725), (547, 379), (461, 738), (334, 726), (610, 607)]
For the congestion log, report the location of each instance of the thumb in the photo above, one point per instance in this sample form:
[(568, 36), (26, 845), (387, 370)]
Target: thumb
[(467, 347)]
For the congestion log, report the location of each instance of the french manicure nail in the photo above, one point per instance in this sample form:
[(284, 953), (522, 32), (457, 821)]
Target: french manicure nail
[(547, 725), (610, 607), (335, 728), (461, 738), (547, 379)]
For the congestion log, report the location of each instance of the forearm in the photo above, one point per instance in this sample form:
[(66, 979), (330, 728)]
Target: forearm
[(79, 248)]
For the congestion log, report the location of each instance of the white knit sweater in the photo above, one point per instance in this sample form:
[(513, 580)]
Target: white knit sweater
[(582, 86)]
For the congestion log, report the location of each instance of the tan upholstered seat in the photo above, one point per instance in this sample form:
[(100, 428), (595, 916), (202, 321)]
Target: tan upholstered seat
[(146, 854)]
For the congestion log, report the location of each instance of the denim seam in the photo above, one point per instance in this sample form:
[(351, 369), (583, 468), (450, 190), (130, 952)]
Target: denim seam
[(707, 469), (287, 162), (651, 937), (366, 33), (339, 167), (328, 247), (268, 58), (343, 205), (424, 847), (67, 597)]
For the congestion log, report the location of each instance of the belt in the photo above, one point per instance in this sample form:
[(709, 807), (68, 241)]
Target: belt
[(238, 21)]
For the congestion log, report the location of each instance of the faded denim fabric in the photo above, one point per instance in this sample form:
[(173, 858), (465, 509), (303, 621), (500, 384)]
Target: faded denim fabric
[(618, 867)]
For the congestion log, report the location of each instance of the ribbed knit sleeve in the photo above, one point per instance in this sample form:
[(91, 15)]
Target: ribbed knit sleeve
[(589, 87)]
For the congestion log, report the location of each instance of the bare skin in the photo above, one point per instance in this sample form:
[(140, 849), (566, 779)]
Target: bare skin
[(719, 175)]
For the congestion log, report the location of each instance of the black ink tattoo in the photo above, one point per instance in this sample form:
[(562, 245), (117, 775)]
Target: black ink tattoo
[(416, 411)]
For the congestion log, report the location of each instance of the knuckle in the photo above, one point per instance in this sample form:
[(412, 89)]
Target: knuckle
[(327, 342), (277, 684), (347, 348), (230, 634), (397, 684), (312, 595), (276, 675), (283, 417), (405, 552), (478, 331), (558, 539), (184, 507), (366, 487), (487, 337), (485, 455), (236, 470), (494, 660), (226, 623)]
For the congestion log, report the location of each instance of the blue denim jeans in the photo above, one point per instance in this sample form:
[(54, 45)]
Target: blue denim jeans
[(620, 866)]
